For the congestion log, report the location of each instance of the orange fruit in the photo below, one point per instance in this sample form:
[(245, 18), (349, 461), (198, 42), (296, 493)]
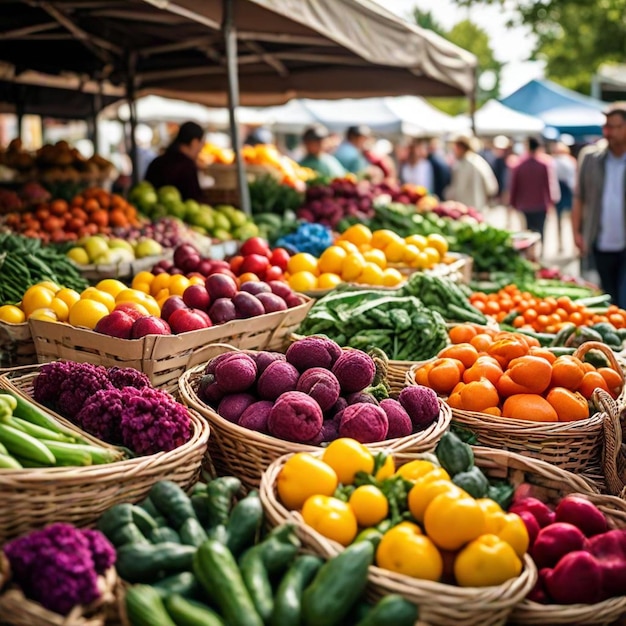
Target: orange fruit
[(444, 375), (529, 406), (506, 350), (568, 372), (612, 379), (462, 333), (570, 406), (544, 353), (481, 341), (484, 367), (590, 381), (531, 372), (464, 352), (479, 395), (421, 374)]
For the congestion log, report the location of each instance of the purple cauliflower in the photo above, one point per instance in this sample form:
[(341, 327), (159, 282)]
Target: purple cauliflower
[(128, 377), (47, 383), (101, 415), (56, 567), (82, 381), (102, 551), (152, 421)]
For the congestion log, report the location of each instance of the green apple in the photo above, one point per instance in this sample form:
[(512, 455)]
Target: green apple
[(221, 222), (191, 205), (168, 194), (222, 234), (177, 209), (247, 230), (237, 218), (147, 247), (96, 246)]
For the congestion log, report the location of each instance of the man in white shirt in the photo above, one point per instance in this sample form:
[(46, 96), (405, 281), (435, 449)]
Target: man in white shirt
[(599, 209)]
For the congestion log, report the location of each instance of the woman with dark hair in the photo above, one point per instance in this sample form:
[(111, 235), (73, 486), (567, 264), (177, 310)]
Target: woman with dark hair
[(177, 165)]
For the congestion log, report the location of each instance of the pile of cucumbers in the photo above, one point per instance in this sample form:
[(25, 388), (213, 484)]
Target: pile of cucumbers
[(205, 560)]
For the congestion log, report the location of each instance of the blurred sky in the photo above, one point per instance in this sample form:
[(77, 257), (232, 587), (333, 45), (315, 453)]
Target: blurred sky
[(510, 45)]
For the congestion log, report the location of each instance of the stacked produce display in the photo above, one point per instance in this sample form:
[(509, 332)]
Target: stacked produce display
[(289, 429)]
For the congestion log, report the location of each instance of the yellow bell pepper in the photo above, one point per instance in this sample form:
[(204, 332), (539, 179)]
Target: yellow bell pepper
[(387, 469), (451, 520), (413, 470), (304, 475), (485, 562), (347, 457), (405, 550), (331, 517), (510, 528), (489, 506), (425, 491)]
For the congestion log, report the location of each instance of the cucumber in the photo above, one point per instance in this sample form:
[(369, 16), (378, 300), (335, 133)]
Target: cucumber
[(218, 574), (244, 523), (164, 534), (191, 532), (188, 613), (184, 584), (143, 520), (337, 586), (392, 609), (144, 607), (257, 581), (172, 502), (129, 533), (288, 600), (138, 563), (118, 515), (148, 506)]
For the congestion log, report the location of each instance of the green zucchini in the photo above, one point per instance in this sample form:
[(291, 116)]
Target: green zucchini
[(392, 609), (129, 533), (221, 492), (218, 574), (337, 586), (257, 581), (164, 534), (139, 563), (148, 506), (184, 584), (118, 515), (454, 455), (244, 523), (191, 532), (279, 548), (144, 607), (186, 612), (143, 520), (172, 502), (288, 600)]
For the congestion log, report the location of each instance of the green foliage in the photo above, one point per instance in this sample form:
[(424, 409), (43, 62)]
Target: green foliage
[(574, 37)]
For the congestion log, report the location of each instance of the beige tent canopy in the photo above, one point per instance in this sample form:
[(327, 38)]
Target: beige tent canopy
[(316, 49)]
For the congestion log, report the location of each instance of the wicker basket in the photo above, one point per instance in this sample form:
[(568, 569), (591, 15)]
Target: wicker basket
[(246, 454), (575, 446), (33, 498), (16, 345), (17, 610), (163, 358), (447, 604)]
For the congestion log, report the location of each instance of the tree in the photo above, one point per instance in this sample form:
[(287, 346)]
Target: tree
[(574, 37), (471, 37)]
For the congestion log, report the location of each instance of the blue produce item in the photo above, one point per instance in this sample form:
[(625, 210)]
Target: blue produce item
[(311, 238)]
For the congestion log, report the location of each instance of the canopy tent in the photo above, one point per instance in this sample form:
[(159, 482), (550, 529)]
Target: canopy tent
[(609, 82), (566, 110), (494, 118), (219, 52), (405, 115)]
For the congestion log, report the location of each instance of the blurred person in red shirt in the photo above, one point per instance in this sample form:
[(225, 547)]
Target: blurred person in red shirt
[(534, 186)]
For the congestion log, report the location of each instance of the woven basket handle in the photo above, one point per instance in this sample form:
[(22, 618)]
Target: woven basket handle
[(206, 353), (606, 350), (612, 448)]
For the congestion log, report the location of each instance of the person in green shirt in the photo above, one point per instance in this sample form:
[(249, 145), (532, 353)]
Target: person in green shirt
[(316, 158)]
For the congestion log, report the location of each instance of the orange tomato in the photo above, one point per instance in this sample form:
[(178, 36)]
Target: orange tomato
[(568, 372), (445, 374), (613, 380), (484, 367), (462, 333), (591, 381), (570, 406), (529, 406), (464, 352), (479, 395)]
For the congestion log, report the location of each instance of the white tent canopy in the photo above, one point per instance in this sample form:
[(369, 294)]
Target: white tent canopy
[(494, 118)]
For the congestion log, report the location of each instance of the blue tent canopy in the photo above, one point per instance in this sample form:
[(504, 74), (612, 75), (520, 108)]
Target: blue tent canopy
[(558, 107)]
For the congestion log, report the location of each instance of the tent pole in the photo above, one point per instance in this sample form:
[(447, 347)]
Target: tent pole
[(132, 113), (472, 101), (230, 38), (96, 104)]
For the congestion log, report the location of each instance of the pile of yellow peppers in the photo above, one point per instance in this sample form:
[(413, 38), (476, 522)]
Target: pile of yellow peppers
[(443, 533)]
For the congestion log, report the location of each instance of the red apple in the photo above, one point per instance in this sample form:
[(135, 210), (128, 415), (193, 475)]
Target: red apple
[(271, 302), (205, 267), (225, 272), (255, 263), (222, 310), (280, 257), (274, 272), (254, 287), (220, 264), (280, 288), (150, 325), (255, 245), (196, 297), (173, 303), (204, 315), (134, 309), (184, 251), (185, 320), (235, 264), (220, 285), (116, 324)]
